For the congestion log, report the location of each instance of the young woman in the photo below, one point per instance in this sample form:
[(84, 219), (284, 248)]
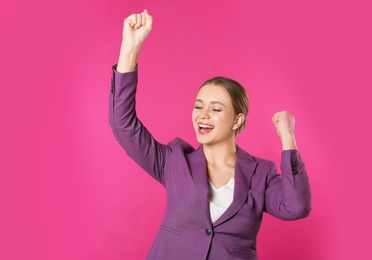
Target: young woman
[(216, 194)]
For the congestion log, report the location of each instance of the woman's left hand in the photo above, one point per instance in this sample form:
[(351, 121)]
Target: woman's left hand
[(284, 123)]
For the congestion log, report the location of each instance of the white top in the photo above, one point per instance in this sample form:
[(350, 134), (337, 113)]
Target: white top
[(220, 199)]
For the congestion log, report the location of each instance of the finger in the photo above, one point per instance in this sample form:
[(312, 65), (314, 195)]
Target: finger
[(275, 122), (148, 18), (139, 21), (143, 19), (275, 118), (146, 13), (132, 20)]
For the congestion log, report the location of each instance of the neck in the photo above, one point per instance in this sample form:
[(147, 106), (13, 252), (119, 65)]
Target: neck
[(221, 153)]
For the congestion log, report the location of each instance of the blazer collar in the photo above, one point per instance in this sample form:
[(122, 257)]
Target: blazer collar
[(245, 167)]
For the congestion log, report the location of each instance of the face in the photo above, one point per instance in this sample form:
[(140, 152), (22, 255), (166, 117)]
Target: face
[(213, 116)]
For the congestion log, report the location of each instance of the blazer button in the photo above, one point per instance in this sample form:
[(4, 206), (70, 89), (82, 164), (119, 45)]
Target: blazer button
[(208, 232), (112, 86)]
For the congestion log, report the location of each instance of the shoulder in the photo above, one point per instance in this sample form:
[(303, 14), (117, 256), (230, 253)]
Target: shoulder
[(248, 157), (179, 145), (261, 168), (263, 161)]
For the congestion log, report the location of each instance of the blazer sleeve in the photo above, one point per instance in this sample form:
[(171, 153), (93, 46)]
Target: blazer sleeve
[(129, 131), (288, 196)]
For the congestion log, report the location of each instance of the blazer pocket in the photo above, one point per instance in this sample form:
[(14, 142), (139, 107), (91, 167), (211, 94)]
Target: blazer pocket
[(169, 229)]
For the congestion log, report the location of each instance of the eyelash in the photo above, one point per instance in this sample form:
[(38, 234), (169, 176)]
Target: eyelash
[(215, 110)]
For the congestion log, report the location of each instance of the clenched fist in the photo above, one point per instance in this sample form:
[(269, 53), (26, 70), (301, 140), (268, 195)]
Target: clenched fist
[(284, 122), (137, 27)]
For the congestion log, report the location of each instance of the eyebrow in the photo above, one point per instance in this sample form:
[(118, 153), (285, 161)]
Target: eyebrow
[(212, 102)]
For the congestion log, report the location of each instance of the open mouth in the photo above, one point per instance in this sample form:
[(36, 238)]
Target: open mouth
[(204, 128)]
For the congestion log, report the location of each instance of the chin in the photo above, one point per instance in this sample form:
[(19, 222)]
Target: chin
[(200, 139), (203, 139)]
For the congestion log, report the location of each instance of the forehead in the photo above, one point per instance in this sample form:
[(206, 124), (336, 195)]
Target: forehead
[(210, 92)]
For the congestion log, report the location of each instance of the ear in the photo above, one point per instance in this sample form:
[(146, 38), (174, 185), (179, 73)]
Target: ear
[(239, 120)]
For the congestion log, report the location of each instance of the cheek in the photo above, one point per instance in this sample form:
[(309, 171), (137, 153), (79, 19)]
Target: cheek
[(194, 115), (220, 117), (226, 120)]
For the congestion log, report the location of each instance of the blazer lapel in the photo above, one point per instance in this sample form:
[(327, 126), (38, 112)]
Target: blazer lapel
[(198, 169), (245, 167)]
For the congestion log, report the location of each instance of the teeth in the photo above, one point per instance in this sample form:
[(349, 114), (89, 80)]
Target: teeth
[(206, 126)]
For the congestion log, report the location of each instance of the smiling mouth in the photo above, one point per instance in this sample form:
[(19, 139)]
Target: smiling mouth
[(205, 129)]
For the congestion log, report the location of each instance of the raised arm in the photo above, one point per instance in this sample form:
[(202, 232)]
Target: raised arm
[(129, 131), (288, 196)]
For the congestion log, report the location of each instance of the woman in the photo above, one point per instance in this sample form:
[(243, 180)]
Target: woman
[(216, 194)]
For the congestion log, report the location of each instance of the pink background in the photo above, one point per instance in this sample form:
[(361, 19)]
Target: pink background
[(67, 189)]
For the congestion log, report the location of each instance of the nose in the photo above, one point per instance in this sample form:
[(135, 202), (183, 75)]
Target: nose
[(204, 114)]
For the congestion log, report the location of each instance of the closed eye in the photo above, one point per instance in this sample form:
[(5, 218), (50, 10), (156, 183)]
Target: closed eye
[(216, 110), (196, 107)]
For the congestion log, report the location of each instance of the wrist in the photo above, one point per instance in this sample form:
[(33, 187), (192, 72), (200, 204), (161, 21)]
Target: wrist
[(128, 57), (288, 141), (129, 47), (287, 134)]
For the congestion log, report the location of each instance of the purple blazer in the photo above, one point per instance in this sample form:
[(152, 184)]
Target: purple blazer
[(186, 231)]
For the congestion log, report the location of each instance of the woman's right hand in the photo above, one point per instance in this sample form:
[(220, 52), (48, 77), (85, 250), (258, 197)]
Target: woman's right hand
[(136, 28)]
